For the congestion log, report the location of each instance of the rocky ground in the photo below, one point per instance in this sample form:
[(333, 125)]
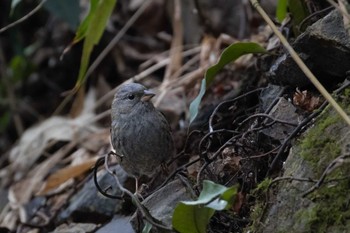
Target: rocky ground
[(262, 127)]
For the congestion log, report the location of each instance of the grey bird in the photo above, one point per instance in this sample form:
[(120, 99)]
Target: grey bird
[(140, 134)]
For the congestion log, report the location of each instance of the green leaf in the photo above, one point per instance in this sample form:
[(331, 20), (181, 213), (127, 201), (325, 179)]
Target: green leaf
[(147, 228), (299, 12), (94, 33), (66, 10), (230, 54), (14, 3), (229, 195), (4, 120), (83, 27), (20, 68), (210, 191), (211, 196), (194, 216), (191, 218), (281, 10)]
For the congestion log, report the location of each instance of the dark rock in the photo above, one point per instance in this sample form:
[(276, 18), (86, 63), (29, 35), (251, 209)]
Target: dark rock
[(162, 203), (284, 111), (325, 49), (326, 208), (269, 95), (89, 205)]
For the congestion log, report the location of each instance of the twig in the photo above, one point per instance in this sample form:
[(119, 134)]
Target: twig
[(98, 163), (317, 13), (210, 136), (141, 76), (24, 18), (291, 178), (179, 169), (134, 198), (274, 120), (229, 101), (293, 134), (301, 125), (337, 162), (260, 155), (162, 63), (176, 44)]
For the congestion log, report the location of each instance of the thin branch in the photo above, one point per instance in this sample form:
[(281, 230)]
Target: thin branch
[(337, 162), (24, 18), (134, 198), (229, 101)]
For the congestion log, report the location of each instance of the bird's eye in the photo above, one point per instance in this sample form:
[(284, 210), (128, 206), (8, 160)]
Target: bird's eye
[(131, 97)]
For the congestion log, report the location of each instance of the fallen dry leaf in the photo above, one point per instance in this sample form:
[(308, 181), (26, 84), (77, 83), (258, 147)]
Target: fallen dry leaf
[(239, 201), (21, 192), (305, 100), (64, 174)]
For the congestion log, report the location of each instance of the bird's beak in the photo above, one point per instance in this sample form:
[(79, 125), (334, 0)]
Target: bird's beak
[(147, 95)]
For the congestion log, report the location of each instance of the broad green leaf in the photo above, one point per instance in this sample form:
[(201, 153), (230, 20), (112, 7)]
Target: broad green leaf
[(212, 196), (94, 32), (191, 218), (194, 216), (66, 10), (230, 54), (210, 191), (281, 10)]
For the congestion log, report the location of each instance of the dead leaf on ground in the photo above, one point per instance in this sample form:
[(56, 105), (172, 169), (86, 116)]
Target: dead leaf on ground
[(39, 138), (64, 174), (306, 100)]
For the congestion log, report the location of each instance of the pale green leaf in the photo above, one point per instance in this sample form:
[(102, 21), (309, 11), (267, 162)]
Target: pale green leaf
[(93, 35), (83, 27)]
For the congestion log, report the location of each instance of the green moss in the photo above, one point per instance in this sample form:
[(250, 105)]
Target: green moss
[(330, 202), (306, 217), (320, 146), (263, 185), (330, 209), (327, 208), (255, 216), (347, 93), (256, 212)]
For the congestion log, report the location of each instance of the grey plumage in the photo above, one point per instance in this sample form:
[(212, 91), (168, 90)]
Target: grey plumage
[(139, 132)]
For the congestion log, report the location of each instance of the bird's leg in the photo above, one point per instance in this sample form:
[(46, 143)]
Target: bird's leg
[(136, 184), (137, 190)]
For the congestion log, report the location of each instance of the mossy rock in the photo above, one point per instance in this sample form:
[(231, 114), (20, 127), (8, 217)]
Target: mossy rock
[(326, 209)]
